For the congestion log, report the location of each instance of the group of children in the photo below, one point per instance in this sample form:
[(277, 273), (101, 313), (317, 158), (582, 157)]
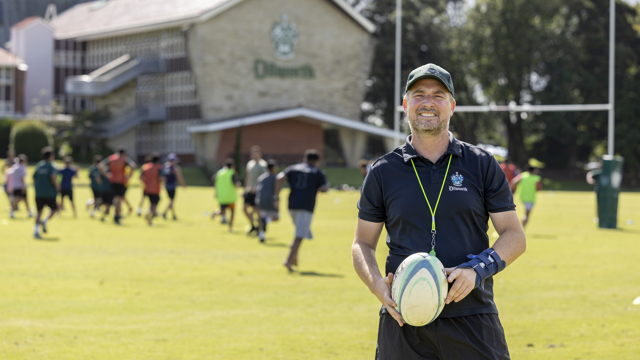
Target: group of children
[(109, 180), (262, 193)]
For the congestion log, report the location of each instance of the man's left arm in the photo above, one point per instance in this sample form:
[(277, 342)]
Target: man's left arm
[(510, 244), (280, 179), (325, 185), (178, 172)]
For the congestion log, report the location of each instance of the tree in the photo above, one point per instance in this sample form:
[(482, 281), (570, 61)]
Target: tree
[(509, 42), (83, 135), (528, 52), (578, 73), (431, 32)]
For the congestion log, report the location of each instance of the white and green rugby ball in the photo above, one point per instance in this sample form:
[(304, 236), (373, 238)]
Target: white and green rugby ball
[(419, 289)]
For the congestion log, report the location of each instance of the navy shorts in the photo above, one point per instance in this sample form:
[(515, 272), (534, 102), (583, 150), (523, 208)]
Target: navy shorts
[(51, 203), (171, 193), (107, 197), (118, 189), (97, 195), (153, 198), (474, 337), (20, 193), (66, 192), (250, 199)]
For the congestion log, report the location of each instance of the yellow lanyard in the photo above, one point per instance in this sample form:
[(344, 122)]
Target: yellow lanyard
[(433, 211)]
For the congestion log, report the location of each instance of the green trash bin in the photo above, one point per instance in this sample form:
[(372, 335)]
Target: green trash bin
[(607, 191)]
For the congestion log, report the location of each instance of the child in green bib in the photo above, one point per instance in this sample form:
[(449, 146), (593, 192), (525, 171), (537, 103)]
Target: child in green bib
[(225, 182), (528, 184)]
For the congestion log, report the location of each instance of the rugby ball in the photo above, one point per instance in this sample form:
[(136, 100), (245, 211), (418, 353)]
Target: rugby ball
[(419, 289)]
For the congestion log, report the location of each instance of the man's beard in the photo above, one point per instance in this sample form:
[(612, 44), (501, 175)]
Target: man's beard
[(438, 128)]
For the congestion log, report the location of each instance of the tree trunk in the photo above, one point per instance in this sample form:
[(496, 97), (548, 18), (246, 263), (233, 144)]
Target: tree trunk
[(515, 139)]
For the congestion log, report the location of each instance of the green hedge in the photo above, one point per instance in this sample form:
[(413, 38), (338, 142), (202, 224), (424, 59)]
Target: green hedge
[(29, 137), (5, 134)]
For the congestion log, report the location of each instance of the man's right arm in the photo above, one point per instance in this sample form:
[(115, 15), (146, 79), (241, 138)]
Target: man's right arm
[(363, 254), (102, 167), (54, 178), (280, 179)]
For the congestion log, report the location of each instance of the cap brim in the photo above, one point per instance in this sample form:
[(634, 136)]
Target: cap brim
[(426, 76)]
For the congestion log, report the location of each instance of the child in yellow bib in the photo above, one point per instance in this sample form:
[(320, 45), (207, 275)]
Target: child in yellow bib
[(528, 184)]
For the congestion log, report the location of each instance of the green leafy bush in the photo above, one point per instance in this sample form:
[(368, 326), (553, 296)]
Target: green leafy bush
[(29, 137), (5, 132)]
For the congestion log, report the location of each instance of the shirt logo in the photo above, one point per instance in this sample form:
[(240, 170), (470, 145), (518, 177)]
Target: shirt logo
[(457, 180)]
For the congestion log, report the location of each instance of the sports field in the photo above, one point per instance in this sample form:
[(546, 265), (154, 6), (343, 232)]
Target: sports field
[(189, 289)]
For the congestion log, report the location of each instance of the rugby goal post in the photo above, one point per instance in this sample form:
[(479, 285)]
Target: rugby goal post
[(513, 106)]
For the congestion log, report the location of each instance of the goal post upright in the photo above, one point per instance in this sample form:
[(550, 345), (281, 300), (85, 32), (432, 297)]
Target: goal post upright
[(612, 60)]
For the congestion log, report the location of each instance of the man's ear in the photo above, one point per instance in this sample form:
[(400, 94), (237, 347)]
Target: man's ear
[(404, 105)]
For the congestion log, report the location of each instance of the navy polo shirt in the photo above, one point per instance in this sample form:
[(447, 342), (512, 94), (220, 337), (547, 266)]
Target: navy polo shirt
[(475, 186)]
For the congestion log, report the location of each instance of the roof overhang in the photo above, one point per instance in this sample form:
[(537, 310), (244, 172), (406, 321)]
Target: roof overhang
[(293, 113), (187, 21)]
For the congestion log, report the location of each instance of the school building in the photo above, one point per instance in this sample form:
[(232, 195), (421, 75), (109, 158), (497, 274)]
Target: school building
[(12, 78), (187, 76)]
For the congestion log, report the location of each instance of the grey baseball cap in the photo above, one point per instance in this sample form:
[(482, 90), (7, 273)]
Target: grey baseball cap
[(430, 71)]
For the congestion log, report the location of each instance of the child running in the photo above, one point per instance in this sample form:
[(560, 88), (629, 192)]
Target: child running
[(106, 193), (528, 183), (96, 182), (45, 178), (265, 191), (226, 181), (117, 165), (17, 184), (172, 172), (66, 184), (141, 204), (6, 165), (151, 176)]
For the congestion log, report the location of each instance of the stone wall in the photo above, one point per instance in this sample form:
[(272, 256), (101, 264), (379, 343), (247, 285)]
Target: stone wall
[(119, 101), (332, 60)]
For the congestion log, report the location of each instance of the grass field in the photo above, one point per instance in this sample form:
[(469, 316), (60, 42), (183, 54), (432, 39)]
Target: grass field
[(192, 290)]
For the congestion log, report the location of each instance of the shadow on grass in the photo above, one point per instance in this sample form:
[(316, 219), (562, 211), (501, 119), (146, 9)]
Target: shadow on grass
[(620, 230), (313, 273), (47, 239), (544, 236), (629, 231), (274, 244)]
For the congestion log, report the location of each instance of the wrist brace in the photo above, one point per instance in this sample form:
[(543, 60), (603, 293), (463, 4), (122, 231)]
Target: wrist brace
[(486, 264)]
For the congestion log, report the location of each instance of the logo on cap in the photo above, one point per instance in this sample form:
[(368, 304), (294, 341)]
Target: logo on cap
[(433, 71)]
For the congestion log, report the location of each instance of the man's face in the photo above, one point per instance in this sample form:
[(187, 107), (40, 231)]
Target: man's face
[(429, 106), (256, 154)]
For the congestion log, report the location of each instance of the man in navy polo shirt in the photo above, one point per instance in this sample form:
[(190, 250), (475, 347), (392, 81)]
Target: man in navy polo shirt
[(436, 194)]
